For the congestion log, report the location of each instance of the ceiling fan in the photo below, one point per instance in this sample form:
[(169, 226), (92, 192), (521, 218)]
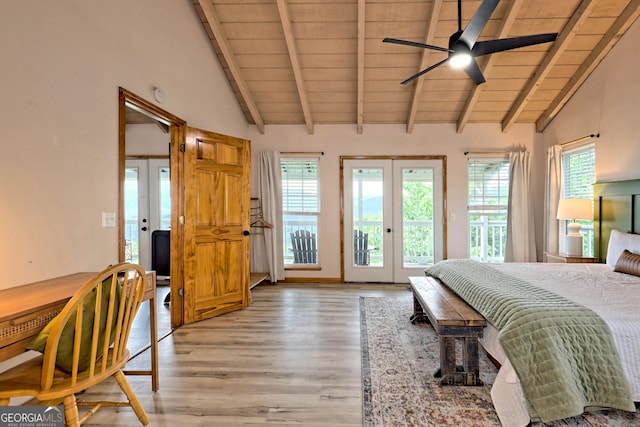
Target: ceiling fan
[(464, 47)]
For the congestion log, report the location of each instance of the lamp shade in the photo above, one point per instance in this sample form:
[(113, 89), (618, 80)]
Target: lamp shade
[(575, 209)]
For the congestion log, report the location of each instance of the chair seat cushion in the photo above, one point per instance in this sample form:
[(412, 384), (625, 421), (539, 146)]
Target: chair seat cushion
[(64, 358)]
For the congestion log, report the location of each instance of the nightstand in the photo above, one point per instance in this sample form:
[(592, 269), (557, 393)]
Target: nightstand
[(568, 259)]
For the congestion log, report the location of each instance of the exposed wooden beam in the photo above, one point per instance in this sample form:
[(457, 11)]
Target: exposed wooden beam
[(624, 21), (360, 101), (424, 59), (503, 31), (561, 44), (216, 28), (285, 20)]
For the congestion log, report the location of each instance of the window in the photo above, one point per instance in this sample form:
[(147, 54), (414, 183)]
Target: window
[(578, 176), (301, 209), (487, 208)]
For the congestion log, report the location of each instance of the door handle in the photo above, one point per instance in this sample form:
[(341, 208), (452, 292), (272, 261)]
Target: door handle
[(144, 229), (246, 233)]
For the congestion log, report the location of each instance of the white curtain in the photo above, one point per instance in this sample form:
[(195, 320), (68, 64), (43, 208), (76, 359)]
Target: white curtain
[(552, 187), (521, 238), (266, 252)]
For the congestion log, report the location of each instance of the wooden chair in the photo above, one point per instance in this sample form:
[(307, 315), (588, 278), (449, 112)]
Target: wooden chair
[(360, 247), (97, 310), (304, 247)]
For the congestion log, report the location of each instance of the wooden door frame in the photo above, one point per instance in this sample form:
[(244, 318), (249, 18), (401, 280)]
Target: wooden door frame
[(178, 129)]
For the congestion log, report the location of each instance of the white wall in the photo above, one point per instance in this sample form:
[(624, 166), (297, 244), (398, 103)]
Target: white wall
[(62, 64), (336, 141), (146, 140), (607, 103)]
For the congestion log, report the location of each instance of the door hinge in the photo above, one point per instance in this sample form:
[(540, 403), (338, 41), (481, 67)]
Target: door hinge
[(182, 148), (181, 219), (181, 292)]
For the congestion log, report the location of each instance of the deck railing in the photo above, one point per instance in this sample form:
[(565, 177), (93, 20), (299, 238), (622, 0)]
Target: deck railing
[(488, 238), (418, 244)]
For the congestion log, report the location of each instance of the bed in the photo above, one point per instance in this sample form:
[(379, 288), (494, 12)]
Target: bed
[(608, 299)]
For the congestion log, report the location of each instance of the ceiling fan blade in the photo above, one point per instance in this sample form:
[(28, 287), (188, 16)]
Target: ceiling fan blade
[(478, 21), (426, 70), (499, 45), (415, 44), (474, 71)]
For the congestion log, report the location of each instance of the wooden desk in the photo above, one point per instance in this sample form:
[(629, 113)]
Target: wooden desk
[(26, 309)]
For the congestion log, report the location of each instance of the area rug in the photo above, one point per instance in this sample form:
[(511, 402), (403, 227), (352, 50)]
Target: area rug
[(398, 363)]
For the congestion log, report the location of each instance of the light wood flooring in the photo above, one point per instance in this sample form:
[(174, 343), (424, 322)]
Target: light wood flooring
[(291, 358)]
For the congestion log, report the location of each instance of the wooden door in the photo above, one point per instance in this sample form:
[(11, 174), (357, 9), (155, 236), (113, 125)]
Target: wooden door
[(216, 224)]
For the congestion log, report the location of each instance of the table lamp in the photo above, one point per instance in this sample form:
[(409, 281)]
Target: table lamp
[(572, 209)]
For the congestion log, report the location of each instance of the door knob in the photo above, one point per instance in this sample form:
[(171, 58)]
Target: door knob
[(144, 228), (388, 230), (246, 233)]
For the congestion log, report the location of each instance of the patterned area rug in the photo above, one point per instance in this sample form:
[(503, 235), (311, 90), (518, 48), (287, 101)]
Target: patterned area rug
[(398, 362)]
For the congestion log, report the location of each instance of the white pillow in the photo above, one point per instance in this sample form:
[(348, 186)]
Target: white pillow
[(618, 242)]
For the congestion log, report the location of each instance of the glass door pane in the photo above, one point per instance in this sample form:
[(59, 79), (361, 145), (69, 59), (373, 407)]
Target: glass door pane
[(368, 217), (136, 212), (417, 217), (165, 198), (131, 212), (418, 214)]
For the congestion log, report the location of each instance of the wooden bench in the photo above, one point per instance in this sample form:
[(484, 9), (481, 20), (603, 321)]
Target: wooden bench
[(452, 318)]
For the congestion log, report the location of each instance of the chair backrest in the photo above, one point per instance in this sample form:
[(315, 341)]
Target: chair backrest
[(360, 248), (95, 324), (304, 247)]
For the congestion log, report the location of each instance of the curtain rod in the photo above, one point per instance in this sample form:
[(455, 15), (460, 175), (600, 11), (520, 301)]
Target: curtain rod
[(506, 153), (584, 138), (493, 153), (304, 153)]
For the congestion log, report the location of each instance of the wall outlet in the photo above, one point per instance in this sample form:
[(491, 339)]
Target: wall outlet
[(108, 219)]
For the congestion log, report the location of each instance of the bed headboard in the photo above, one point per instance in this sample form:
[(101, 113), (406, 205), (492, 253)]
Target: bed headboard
[(616, 206)]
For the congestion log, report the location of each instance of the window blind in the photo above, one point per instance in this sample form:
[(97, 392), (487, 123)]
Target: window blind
[(300, 179), (578, 172), (488, 184)]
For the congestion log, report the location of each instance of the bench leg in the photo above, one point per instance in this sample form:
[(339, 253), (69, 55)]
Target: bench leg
[(469, 373), (418, 315), (447, 360), (471, 360)]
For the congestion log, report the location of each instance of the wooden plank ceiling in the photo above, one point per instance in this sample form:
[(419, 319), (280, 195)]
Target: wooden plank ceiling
[(314, 62)]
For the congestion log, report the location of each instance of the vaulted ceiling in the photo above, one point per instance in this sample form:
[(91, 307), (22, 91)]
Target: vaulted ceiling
[(314, 62)]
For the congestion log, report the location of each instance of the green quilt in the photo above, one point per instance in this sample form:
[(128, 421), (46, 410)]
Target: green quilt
[(563, 353)]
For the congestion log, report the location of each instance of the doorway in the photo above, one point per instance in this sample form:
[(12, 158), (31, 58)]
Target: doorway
[(393, 220), (133, 108)]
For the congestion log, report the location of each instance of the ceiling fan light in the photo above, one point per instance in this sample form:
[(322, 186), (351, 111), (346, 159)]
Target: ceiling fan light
[(460, 59)]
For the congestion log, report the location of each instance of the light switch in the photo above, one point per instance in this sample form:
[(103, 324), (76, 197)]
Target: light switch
[(108, 219)]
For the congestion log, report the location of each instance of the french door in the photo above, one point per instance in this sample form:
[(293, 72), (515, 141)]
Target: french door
[(147, 206), (393, 218)]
